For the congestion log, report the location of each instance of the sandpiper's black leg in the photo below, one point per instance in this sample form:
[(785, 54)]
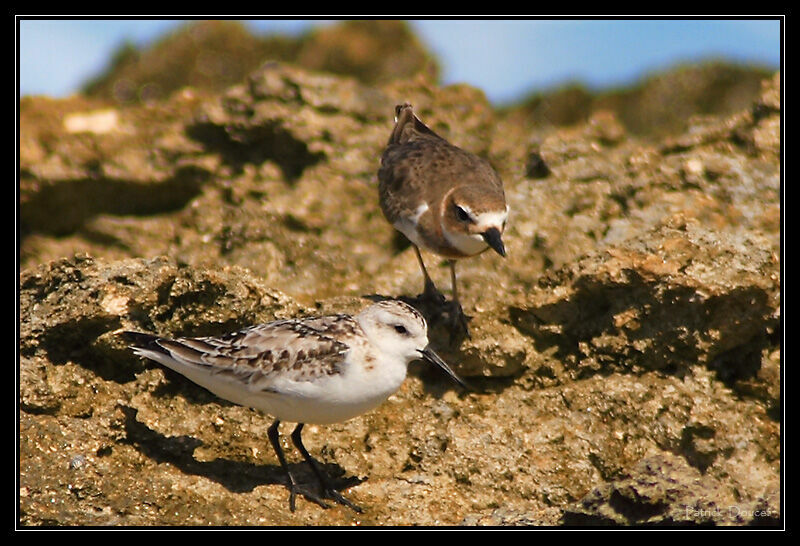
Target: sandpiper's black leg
[(325, 485), (294, 487)]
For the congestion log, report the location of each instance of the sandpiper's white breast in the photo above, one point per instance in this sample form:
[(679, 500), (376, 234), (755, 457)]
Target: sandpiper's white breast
[(332, 399)]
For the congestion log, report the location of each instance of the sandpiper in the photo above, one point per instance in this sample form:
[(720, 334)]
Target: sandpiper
[(317, 370)]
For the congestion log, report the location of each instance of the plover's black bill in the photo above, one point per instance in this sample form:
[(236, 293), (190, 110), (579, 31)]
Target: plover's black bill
[(492, 238), (433, 358)]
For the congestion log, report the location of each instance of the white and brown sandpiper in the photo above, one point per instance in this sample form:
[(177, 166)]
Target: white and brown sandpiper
[(313, 370)]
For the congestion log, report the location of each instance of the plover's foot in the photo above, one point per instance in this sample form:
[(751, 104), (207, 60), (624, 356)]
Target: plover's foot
[(457, 322)]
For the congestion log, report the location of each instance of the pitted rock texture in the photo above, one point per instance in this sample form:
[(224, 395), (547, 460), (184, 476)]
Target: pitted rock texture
[(627, 352)]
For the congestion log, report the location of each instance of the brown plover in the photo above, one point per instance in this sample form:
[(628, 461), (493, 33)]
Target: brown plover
[(442, 198)]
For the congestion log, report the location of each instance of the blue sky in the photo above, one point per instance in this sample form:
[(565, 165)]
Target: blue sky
[(506, 58)]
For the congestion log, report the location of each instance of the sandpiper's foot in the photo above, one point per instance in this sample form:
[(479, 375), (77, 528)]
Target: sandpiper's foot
[(326, 493)]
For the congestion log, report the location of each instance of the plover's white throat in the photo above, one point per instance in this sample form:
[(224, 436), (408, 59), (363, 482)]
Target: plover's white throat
[(314, 370), (444, 199)]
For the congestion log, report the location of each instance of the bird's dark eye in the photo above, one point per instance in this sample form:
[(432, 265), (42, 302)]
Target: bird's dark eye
[(400, 329), (461, 214)]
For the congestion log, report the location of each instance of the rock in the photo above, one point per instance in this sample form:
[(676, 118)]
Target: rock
[(664, 490), (626, 353), (213, 55), (677, 297), (659, 104)]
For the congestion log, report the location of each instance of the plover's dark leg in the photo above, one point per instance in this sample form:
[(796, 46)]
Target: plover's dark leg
[(457, 317), (325, 485), (294, 487), (430, 292)]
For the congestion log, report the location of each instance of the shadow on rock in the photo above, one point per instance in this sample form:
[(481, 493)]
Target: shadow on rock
[(235, 476), (606, 327)]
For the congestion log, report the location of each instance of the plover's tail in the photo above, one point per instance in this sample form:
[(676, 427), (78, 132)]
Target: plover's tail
[(408, 125)]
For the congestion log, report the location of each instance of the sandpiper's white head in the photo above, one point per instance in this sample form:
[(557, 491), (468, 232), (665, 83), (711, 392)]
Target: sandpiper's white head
[(395, 328), (398, 330)]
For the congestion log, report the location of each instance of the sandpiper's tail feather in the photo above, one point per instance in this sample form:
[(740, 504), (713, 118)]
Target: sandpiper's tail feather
[(148, 346), (140, 340)]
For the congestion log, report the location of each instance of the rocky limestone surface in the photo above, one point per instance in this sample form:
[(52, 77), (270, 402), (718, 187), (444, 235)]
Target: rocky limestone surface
[(627, 352), (213, 55), (658, 105)]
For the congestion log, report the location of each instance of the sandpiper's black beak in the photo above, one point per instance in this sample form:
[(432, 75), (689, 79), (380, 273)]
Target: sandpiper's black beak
[(428, 355), (492, 238)]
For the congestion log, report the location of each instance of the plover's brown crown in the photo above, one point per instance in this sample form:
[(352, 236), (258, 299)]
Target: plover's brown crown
[(441, 197)]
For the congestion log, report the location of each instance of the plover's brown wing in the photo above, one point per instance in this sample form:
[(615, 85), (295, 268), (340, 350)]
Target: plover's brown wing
[(405, 175), (422, 171), (300, 350), (418, 165), (405, 189)]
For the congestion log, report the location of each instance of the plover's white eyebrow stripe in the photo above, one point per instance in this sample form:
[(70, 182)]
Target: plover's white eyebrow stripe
[(491, 219)]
